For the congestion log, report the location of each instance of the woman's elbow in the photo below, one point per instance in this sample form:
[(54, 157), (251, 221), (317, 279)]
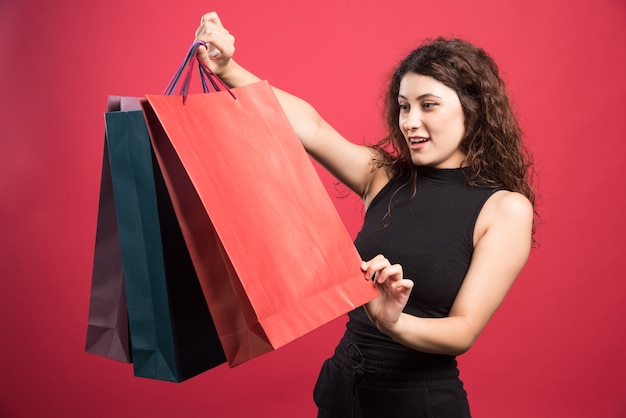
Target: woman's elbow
[(462, 344)]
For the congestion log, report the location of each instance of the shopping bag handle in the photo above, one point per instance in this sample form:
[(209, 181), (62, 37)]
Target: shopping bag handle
[(176, 78), (205, 74), (205, 71)]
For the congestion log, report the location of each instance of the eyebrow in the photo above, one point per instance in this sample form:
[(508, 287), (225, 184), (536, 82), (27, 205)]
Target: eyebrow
[(421, 96)]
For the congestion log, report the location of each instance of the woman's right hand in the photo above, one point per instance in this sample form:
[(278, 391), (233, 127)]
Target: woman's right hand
[(219, 54), (386, 310)]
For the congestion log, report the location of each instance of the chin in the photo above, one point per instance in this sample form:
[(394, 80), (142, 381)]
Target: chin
[(420, 162)]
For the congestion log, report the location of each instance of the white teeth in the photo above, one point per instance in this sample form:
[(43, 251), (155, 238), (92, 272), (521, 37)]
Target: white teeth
[(418, 141)]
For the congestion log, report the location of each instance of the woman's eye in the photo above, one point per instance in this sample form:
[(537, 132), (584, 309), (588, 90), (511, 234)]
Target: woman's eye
[(428, 105), (403, 106)]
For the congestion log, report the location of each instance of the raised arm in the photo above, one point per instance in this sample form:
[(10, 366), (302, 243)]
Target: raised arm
[(349, 163)]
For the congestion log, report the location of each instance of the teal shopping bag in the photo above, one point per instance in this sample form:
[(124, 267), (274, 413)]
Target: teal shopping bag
[(172, 333)]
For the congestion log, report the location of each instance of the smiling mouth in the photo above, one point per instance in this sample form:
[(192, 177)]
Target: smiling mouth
[(418, 140)]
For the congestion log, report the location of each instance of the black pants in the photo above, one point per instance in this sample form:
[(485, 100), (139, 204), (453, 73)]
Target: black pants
[(348, 387)]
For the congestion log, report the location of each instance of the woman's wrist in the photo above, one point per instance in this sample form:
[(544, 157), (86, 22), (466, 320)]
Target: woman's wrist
[(392, 329), (235, 75)]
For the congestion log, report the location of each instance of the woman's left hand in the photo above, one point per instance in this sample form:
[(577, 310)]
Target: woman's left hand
[(385, 310)]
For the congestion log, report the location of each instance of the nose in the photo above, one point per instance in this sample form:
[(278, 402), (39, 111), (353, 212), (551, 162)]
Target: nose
[(412, 120)]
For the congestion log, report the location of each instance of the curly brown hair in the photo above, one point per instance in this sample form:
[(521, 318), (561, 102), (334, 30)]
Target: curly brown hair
[(495, 153)]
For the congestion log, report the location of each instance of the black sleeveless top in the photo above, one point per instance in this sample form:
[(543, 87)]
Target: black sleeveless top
[(431, 236)]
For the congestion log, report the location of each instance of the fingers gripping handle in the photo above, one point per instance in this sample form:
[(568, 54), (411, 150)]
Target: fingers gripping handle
[(205, 73)]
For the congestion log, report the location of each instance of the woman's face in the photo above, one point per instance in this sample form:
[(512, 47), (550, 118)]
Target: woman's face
[(432, 121)]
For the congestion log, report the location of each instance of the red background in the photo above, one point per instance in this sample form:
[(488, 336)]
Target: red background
[(555, 348)]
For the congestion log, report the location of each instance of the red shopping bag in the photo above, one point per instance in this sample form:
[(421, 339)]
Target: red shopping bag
[(271, 252)]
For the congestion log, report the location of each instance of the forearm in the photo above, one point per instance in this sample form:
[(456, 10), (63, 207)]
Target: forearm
[(348, 162), (305, 120), (298, 110), (234, 75), (303, 117), (450, 335)]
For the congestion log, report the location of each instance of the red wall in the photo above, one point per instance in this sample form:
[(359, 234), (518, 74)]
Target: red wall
[(555, 348)]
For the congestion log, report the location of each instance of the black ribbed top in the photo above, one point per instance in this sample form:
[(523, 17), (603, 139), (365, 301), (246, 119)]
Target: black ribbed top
[(430, 235)]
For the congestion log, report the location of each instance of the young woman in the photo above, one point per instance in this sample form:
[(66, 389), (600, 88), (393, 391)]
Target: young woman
[(448, 225)]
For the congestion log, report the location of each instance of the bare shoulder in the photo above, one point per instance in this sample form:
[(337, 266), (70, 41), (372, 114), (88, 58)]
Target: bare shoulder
[(505, 209), (509, 205)]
